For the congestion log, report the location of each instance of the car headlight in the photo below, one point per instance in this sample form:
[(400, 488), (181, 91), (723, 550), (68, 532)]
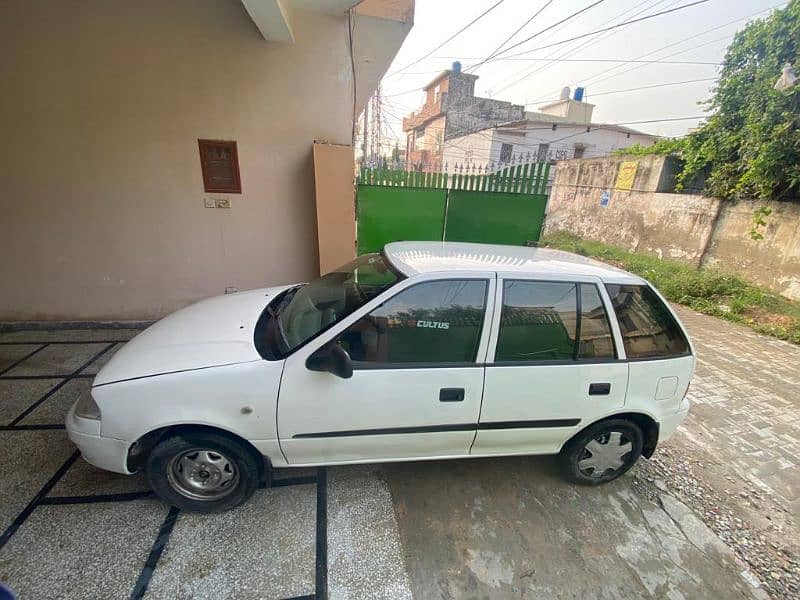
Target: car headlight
[(86, 407)]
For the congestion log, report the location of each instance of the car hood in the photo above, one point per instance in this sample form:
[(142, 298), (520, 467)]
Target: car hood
[(214, 332)]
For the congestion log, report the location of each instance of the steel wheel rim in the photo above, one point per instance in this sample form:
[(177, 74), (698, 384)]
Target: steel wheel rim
[(605, 454), (202, 474)]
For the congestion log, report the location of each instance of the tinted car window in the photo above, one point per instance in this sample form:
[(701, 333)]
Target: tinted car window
[(433, 322), (596, 340), (648, 328), (304, 311), (537, 322)]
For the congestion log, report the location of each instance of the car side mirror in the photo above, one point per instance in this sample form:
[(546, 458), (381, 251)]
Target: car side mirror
[(331, 359)]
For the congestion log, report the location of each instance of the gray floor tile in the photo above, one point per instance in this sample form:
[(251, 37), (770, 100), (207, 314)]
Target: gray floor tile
[(61, 359), (85, 480), (292, 473), (263, 549), (68, 335), (87, 551), (17, 395), (365, 558), (98, 364), (54, 409), (30, 459), (11, 354)]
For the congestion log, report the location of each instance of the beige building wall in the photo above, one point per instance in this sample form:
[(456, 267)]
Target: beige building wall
[(102, 105)]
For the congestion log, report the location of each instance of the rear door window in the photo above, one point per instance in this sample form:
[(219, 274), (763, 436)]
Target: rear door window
[(552, 321), (595, 336), (537, 322), (648, 328)]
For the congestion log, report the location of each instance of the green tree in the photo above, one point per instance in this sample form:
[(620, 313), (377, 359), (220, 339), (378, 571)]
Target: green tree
[(750, 146)]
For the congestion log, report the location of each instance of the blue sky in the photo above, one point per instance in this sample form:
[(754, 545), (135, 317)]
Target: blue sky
[(710, 25)]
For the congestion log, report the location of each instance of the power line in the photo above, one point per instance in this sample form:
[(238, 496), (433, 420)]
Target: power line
[(455, 142), (623, 24), (558, 24), (509, 81), (549, 27), (642, 87), (591, 60), (606, 126), (629, 14), (670, 45), (684, 51), (456, 34), (509, 38), (603, 125)]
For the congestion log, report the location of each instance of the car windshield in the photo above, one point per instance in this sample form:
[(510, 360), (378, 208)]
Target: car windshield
[(306, 310)]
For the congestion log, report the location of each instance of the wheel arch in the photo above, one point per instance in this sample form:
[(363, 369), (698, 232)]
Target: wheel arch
[(141, 448), (648, 425)]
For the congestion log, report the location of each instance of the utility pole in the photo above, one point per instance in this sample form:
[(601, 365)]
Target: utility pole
[(376, 137)]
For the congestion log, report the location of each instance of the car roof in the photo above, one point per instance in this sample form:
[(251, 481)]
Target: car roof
[(414, 258)]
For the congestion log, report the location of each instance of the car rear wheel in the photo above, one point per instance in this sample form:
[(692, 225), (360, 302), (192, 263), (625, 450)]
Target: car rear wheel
[(202, 471), (602, 452)]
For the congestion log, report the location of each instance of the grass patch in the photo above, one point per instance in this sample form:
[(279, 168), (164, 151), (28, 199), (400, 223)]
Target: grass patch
[(708, 291)]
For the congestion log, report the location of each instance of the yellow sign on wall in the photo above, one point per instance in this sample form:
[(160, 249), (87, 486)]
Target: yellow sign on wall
[(626, 175)]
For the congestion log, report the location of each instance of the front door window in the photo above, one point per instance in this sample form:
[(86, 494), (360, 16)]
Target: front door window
[(428, 323)]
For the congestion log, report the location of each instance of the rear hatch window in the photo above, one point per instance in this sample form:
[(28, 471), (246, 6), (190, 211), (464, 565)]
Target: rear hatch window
[(648, 328)]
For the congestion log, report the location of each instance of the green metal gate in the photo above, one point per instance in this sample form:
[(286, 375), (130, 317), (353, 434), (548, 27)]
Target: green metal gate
[(494, 217), (389, 214), (505, 207)]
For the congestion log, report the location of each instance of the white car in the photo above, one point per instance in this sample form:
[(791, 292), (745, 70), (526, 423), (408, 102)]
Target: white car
[(428, 350)]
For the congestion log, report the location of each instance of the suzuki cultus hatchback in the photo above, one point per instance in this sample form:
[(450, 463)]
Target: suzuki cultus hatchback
[(427, 350)]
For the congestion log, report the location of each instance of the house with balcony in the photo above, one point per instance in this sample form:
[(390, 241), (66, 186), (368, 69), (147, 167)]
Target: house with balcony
[(450, 110)]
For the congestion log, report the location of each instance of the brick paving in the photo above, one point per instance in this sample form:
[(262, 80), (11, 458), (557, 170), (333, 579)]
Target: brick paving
[(746, 404)]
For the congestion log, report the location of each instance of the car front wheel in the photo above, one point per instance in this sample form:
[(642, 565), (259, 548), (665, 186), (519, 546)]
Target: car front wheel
[(202, 471), (602, 452)]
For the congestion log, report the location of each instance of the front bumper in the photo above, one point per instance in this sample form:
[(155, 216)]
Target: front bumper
[(669, 423), (102, 452)]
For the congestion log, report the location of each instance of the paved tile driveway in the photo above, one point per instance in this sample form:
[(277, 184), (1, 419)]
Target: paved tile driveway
[(72, 531), (746, 404), (500, 528)]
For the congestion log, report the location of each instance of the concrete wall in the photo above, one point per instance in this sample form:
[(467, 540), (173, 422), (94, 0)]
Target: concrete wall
[(101, 195), (773, 261), (691, 228), (673, 226)]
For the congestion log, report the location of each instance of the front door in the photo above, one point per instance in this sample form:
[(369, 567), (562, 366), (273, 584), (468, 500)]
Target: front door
[(553, 370), (417, 378)]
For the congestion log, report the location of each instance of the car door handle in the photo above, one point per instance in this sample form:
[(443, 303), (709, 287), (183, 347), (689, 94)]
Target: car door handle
[(599, 389), (451, 395)]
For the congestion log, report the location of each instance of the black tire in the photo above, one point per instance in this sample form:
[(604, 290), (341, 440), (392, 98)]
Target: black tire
[(233, 471), (603, 433)]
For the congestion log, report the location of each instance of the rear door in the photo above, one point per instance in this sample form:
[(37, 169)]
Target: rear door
[(552, 366)]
